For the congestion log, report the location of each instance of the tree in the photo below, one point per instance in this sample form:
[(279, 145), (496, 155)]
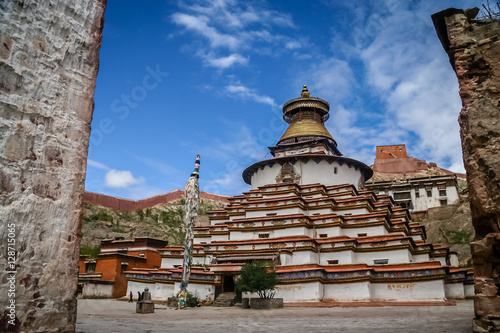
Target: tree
[(255, 277)]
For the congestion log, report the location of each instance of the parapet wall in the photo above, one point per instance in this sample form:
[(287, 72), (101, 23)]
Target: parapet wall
[(394, 159), (395, 165), (128, 205), (391, 152)]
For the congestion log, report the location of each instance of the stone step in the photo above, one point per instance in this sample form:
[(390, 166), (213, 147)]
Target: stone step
[(224, 300)]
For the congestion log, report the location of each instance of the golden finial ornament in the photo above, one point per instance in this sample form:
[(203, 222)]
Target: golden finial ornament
[(305, 92)]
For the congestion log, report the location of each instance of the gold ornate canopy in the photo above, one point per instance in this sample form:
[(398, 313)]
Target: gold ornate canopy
[(306, 116)]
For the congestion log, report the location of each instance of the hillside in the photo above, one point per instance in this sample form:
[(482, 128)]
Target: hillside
[(163, 221), (452, 226)]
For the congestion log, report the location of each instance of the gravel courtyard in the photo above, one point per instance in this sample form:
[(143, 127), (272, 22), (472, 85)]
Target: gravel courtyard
[(118, 316)]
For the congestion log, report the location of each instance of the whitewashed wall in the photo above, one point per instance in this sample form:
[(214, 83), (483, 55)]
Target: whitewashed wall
[(423, 202), (304, 257), (134, 287), (454, 290), (421, 257), (442, 260), (347, 292), (370, 231), (170, 262), (285, 259), (295, 231), (91, 290), (344, 257), (330, 231), (454, 260), (409, 291), (202, 291), (395, 256), (283, 211), (300, 292), (469, 290), (311, 173)]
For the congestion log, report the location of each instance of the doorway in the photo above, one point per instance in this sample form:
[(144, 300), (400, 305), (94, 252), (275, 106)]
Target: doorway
[(228, 284)]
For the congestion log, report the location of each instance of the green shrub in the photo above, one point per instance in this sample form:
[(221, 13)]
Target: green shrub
[(192, 300), (256, 277), (102, 215), (90, 218), (118, 229), (459, 237), (91, 251)]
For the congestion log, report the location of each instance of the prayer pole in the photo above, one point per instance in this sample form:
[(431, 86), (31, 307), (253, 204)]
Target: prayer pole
[(192, 192)]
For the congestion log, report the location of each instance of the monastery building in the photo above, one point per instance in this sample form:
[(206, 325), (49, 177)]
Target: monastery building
[(309, 214)]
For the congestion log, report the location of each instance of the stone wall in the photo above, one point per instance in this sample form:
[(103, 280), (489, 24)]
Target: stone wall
[(128, 205), (49, 58), (474, 50)]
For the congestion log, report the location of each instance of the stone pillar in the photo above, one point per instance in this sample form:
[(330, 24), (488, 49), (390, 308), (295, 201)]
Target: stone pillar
[(474, 50), (49, 58)]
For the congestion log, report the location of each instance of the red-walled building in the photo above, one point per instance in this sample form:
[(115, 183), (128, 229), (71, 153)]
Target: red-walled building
[(102, 277)]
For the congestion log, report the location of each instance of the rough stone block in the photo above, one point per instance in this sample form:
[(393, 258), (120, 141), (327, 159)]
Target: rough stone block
[(485, 306), (266, 303), (474, 51), (49, 57)]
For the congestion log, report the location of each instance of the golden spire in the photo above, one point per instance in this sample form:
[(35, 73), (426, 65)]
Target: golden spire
[(305, 92), (306, 116)]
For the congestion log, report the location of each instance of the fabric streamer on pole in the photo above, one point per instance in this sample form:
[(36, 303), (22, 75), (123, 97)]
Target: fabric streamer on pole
[(192, 192)]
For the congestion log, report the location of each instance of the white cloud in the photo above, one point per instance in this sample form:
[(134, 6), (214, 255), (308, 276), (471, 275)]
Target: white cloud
[(247, 93), (409, 72), (199, 24), (331, 79), (292, 45), (238, 14), (225, 183), (97, 165), (121, 179), (236, 27), (225, 62)]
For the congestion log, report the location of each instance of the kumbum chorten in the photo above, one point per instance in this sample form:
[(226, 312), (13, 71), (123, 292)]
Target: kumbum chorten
[(309, 214)]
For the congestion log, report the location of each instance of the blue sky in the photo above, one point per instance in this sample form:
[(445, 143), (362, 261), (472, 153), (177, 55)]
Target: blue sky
[(180, 78)]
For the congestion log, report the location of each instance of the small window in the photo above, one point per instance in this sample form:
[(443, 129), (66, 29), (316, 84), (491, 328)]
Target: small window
[(362, 234), (335, 170), (429, 194), (333, 262), (141, 255), (90, 267), (442, 193), (381, 261), (417, 194), (271, 214), (124, 267), (266, 235), (443, 202), (323, 235)]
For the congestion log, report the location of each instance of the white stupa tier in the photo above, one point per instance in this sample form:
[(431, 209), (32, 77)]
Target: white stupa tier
[(308, 214)]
